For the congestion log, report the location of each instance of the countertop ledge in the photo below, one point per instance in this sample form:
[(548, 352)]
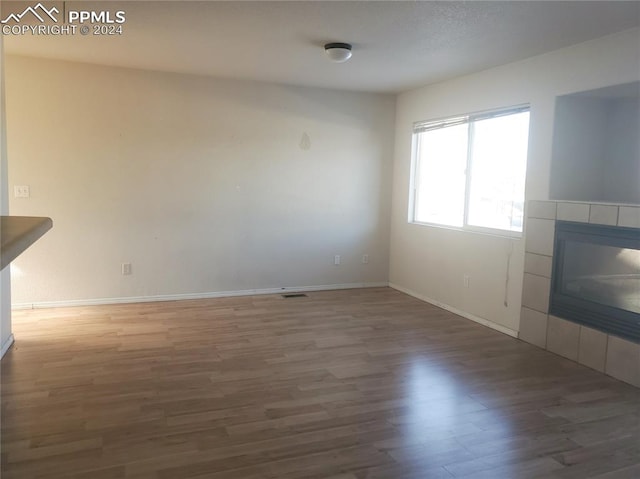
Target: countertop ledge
[(17, 233)]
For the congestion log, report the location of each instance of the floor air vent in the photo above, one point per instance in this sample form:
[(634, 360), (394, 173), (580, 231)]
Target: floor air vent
[(294, 295)]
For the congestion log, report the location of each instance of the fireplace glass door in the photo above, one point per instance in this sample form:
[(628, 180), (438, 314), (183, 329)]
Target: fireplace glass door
[(607, 275), (596, 277)]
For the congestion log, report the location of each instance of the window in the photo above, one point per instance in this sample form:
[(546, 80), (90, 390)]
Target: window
[(469, 171)]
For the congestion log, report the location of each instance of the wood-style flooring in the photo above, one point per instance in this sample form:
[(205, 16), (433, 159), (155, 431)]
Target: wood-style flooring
[(350, 384)]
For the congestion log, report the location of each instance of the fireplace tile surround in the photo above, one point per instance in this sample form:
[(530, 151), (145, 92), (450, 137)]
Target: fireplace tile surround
[(600, 351)]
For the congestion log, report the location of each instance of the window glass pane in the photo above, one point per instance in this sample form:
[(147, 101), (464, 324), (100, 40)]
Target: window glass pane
[(440, 176), (498, 168)]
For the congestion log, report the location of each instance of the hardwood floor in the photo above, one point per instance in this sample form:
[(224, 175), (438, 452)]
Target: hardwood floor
[(340, 384)]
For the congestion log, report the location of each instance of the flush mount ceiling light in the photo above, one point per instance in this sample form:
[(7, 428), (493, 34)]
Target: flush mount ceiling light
[(338, 52)]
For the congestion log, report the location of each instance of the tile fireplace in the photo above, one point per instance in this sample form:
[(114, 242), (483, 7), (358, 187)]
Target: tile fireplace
[(580, 294)]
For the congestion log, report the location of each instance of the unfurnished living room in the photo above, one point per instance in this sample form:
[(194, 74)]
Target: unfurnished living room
[(320, 239)]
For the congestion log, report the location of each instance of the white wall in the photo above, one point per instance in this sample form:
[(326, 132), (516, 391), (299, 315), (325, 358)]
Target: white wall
[(5, 279), (622, 158), (579, 147), (596, 150), (203, 185), (431, 262)]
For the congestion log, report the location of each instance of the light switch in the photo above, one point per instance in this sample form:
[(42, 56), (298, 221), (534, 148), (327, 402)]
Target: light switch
[(21, 191)]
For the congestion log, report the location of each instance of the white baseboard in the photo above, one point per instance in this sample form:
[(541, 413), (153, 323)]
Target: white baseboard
[(178, 297), (464, 314), (252, 292), (7, 344)]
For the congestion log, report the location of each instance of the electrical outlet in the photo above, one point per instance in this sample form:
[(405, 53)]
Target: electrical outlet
[(126, 268), (465, 279), (21, 191), (336, 259), (365, 258)]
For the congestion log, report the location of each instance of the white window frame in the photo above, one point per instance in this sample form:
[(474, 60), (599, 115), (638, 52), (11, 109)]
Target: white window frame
[(423, 126)]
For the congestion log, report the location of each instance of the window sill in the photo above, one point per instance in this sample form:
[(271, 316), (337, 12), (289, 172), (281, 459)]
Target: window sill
[(515, 235)]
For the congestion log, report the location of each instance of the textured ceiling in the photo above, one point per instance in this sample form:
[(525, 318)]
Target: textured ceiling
[(397, 45)]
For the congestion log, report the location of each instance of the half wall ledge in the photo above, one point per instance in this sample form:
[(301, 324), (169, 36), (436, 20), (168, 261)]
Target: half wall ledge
[(17, 233)]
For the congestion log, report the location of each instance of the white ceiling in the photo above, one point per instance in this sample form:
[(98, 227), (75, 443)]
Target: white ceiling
[(397, 45)]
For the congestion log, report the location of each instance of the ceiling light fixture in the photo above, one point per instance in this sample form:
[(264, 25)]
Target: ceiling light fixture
[(338, 52)]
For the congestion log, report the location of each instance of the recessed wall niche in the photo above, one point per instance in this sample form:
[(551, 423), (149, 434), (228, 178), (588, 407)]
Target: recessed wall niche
[(596, 146)]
